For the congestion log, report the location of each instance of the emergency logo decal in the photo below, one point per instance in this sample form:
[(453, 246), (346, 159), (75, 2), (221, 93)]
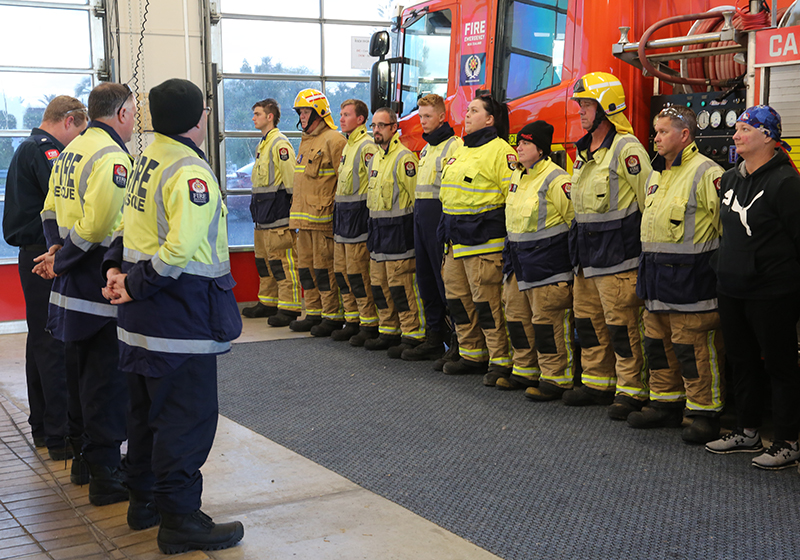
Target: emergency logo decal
[(120, 175), (367, 158), (651, 189), (512, 161), (51, 154), (716, 184), (633, 165), (473, 69), (411, 169), (567, 188), (283, 153), (198, 191)]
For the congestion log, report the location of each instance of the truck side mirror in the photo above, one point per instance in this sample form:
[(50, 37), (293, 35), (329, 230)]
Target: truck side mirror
[(379, 84), (379, 44)]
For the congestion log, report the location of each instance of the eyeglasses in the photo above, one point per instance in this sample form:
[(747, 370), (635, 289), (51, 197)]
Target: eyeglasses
[(121, 105), (207, 109), (381, 126), (671, 112)]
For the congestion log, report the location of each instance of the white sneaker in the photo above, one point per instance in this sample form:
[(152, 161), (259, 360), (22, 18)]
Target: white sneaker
[(780, 455), (736, 442)]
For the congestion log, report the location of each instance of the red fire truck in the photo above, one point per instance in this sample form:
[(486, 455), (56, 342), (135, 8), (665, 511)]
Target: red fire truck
[(529, 53)]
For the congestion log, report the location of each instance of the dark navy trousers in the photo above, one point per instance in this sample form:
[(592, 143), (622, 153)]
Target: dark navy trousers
[(429, 250), (172, 423)]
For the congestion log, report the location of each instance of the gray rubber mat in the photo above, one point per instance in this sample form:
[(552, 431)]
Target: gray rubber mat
[(523, 480)]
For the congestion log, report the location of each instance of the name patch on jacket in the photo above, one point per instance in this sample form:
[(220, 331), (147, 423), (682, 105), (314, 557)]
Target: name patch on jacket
[(651, 189), (633, 165), (51, 154), (198, 191), (373, 173), (411, 169), (283, 153), (512, 161), (513, 187), (341, 159), (120, 175), (299, 159), (578, 164), (451, 161), (567, 188)]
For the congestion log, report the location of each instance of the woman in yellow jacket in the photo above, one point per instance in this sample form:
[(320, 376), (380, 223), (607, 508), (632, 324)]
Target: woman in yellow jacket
[(474, 189)]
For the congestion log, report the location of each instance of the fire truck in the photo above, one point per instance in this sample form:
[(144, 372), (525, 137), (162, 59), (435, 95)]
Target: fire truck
[(529, 53)]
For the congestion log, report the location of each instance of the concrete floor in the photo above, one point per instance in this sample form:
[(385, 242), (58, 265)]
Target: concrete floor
[(292, 508)]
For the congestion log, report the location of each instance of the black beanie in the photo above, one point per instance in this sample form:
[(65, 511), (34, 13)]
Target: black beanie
[(540, 133), (175, 106)]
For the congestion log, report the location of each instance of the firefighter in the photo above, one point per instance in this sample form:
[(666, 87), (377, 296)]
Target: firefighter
[(390, 198), (26, 188), (608, 187), (350, 214), (81, 211), (539, 299), (475, 184), (312, 213), (274, 242), (680, 231), (170, 271), (441, 144)]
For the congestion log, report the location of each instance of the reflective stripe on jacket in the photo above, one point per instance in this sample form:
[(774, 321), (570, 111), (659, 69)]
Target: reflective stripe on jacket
[(350, 213), (680, 231), (272, 178)]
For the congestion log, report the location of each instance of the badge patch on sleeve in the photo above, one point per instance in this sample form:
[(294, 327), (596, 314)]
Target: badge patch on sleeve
[(567, 188), (411, 169), (367, 158), (633, 165), (651, 189), (716, 184), (198, 191), (283, 153), (51, 154), (120, 175), (512, 161)]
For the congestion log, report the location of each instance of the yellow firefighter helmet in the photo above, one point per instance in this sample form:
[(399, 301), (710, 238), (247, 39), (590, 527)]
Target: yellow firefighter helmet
[(604, 88), (315, 99)]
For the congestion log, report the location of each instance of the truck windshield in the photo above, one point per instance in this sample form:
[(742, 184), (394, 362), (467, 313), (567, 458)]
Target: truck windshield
[(427, 49)]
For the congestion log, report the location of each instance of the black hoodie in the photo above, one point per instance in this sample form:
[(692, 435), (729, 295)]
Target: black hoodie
[(759, 254)]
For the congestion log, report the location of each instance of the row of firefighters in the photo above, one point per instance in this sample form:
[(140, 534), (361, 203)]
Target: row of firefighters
[(504, 247)]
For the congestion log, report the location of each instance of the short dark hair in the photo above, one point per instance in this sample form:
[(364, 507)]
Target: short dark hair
[(496, 109), (360, 107), (64, 106), (270, 107), (106, 99), (681, 117), (389, 111)]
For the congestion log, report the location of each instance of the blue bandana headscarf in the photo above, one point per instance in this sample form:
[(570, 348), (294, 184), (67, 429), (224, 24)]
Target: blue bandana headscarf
[(765, 119)]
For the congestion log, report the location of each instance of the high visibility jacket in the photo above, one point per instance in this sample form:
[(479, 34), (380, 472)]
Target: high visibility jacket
[(272, 178), (680, 231), (350, 211), (475, 184), (538, 214), (175, 252), (390, 199), (315, 176), (82, 209), (431, 162), (608, 189)]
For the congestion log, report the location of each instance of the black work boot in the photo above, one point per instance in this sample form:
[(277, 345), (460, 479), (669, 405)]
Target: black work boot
[(544, 392), (465, 367), (622, 407), (326, 328), (383, 342), (496, 372), (105, 486), (259, 310), (79, 470), (283, 318), (656, 417), (514, 382), (306, 324), (451, 355), (431, 349), (364, 334), (349, 331), (406, 344), (581, 396), (702, 430), (196, 531), (142, 511)]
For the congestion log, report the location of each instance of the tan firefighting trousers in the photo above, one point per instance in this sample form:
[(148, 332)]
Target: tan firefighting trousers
[(554, 327), (520, 330), (315, 268), (685, 353), (394, 289), (276, 261), (608, 319), (351, 263)]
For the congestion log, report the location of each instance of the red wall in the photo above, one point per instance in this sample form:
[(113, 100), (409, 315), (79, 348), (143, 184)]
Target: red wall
[(12, 302)]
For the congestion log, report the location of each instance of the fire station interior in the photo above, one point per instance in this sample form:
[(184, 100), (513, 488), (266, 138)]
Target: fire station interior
[(324, 451)]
